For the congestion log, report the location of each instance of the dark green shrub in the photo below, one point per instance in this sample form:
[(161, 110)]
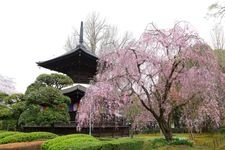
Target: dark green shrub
[(159, 142), (1, 125), (176, 141), (105, 139), (222, 130), (26, 137), (123, 144), (9, 124)]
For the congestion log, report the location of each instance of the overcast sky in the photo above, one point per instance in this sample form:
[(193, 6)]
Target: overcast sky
[(36, 30)]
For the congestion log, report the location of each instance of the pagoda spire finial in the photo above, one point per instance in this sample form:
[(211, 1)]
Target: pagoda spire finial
[(81, 33)]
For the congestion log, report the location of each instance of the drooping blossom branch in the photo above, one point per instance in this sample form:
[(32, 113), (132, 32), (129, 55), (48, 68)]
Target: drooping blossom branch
[(166, 70)]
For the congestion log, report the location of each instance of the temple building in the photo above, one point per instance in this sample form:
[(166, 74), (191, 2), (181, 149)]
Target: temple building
[(80, 64)]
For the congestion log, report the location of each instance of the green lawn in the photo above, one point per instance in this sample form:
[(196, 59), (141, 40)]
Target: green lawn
[(201, 142)]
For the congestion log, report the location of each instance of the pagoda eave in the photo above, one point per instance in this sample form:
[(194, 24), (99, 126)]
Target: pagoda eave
[(79, 64)]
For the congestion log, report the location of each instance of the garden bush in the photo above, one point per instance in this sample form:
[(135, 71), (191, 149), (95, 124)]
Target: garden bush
[(123, 144), (87, 142), (82, 143), (1, 125), (116, 144), (9, 124), (61, 139), (222, 129), (26, 137), (7, 133), (176, 141)]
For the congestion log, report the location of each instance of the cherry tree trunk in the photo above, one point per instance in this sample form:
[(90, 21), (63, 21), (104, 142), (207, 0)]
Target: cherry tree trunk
[(166, 129)]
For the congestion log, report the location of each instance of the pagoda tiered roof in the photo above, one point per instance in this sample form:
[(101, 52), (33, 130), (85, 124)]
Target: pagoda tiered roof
[(80, 63)]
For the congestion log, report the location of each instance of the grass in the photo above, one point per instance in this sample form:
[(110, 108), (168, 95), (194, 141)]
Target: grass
[(201, 141), (1, 131)]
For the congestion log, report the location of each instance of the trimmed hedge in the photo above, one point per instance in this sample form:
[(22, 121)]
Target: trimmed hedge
[(76, 143), (87, 142), (61, 140), (8, 133), (123, 144), (118, 144), (27, 137)]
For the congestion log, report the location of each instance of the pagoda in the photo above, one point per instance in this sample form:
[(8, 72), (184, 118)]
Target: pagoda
[(80, 64)]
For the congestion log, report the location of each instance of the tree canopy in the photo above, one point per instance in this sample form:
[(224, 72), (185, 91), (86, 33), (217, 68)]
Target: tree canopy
[(10, 109), (166, 69), (45, 103), (45, 106), (55, 80), (14, 98)]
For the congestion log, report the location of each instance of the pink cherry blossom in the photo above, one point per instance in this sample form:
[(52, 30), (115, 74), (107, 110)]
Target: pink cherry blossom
[(166, 70)]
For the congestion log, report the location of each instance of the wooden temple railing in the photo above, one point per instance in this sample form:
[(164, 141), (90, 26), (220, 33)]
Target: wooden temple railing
[(112, 130)]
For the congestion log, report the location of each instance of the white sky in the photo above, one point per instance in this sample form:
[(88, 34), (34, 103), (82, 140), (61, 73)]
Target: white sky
[(36, 30)]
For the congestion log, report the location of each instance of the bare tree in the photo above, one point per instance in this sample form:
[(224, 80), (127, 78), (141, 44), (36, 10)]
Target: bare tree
[(70, 43), (95, 28), (217, 10), (97, 33), (217, 36), (112, 41), (109, 38)]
